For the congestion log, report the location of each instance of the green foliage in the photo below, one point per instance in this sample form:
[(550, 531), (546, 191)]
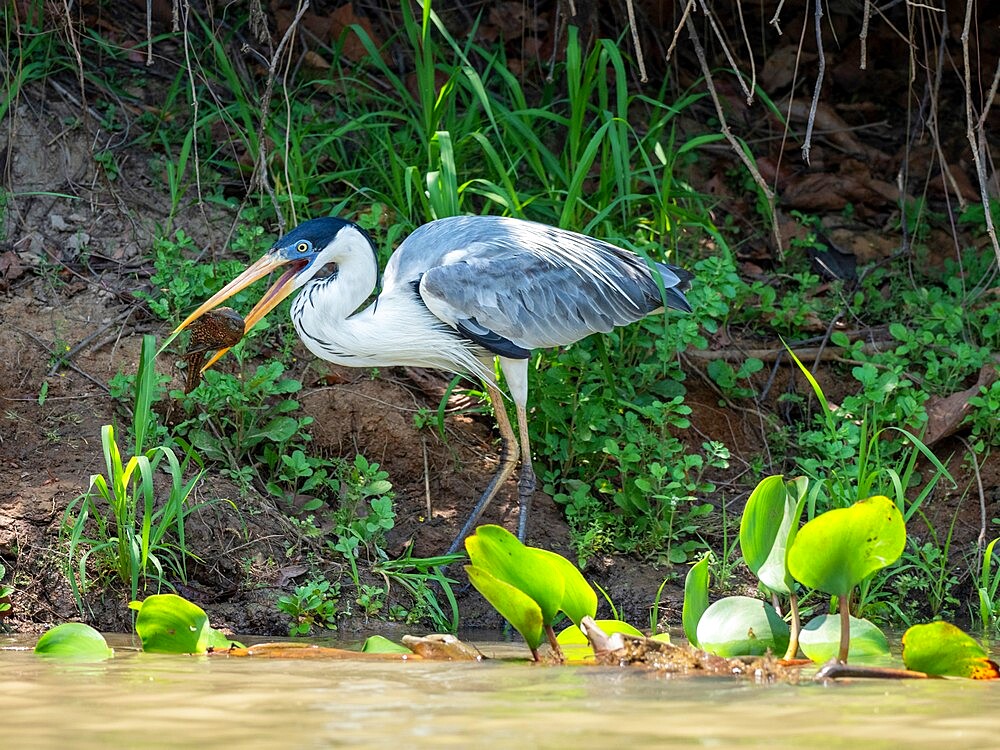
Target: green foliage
[(117, 523), (837, 550), (989, 582), (170, 624), (695, 599), (983, 418), (5, 592), (940, 648), (820, 640), (378, 644), (768, 528), (527, 585), (313, 604), (246, 422), (740, 625), (73, 641)]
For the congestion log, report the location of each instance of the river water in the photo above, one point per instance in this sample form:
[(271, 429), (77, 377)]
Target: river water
[(141, 700)]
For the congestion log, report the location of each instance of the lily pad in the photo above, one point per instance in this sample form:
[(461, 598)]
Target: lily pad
[(840, 548), (940, 648), (742, 626), (695, 599), (74, 641), (820, 639)]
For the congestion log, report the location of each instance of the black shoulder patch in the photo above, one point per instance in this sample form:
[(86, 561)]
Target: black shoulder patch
[(491, 341)]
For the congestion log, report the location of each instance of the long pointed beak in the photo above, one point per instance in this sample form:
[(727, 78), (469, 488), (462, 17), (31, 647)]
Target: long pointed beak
[(278, 291)]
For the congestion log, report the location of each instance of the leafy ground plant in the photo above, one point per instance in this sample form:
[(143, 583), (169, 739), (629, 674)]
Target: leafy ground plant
[(313, 604), (117, 525)]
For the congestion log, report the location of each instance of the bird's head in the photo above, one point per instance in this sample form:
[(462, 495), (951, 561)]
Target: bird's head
[(307, 250)]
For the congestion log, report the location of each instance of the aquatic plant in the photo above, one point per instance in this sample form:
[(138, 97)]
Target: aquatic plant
[(940, 648), (527, 585), (839, 549), (74, 641), (170, 624), (767, 530)]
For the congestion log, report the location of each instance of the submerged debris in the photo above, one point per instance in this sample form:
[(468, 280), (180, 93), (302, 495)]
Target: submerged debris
[(291, 650), (629, 650), (836, 670), (442, 646)]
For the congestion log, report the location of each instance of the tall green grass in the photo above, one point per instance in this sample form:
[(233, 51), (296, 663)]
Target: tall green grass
[(123, 525)]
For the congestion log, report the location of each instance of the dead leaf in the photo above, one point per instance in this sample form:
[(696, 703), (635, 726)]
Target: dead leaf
[(946, 414)]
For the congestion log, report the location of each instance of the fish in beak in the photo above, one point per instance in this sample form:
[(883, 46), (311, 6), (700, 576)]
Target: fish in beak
[(284, 286)]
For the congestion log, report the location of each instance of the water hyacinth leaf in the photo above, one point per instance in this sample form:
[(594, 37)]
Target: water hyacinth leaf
[(74, 641), (170, 624), (519, 609), (377, 644), (550, 580), (940, 648), (741, 626), (695, 599), (769, 524), (219, 641), (840, 548), (820, 640)]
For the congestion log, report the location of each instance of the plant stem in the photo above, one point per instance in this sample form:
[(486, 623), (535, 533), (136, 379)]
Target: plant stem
[(554, 643), (845, 627), (793, 638)]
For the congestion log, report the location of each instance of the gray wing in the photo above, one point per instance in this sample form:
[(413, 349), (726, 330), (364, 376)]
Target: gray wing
[(512, 285)]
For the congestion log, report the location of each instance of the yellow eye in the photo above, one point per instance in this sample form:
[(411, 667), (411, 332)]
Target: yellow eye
[(303, 247)]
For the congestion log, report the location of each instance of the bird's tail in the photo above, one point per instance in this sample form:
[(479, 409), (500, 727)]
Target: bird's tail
[(673, 296)]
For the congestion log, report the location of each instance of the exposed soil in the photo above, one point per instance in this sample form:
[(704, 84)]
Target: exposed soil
[(69, 322)]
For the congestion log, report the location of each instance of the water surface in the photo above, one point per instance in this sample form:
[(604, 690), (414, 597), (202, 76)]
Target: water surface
[(156, 701)]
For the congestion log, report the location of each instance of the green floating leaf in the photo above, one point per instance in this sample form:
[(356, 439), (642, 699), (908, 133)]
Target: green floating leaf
[(548, 579), (769, 526), (695, 599), (377, 644), (170, 624), (741, 626), (820, 639), (519, 609), (575, 645), (840, 548), (74, 641), (940, 648)]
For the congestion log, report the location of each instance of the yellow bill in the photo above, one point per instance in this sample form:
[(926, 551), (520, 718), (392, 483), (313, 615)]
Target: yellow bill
[(278, 291)]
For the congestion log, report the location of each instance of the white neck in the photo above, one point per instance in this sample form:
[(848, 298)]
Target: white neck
[(395, 330)]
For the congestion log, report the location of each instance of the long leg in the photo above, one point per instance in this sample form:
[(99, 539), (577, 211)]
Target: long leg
[(508, 459), (515, 372), (526, 478)]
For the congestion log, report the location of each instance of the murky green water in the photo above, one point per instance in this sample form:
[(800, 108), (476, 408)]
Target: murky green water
[(151, 701)]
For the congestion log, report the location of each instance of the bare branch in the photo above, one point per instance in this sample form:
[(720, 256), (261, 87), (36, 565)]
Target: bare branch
[(635, 40), (820, 72), (733, 141), (975, 133)]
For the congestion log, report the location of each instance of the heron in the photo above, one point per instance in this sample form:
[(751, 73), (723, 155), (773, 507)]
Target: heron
[(459, 294)]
